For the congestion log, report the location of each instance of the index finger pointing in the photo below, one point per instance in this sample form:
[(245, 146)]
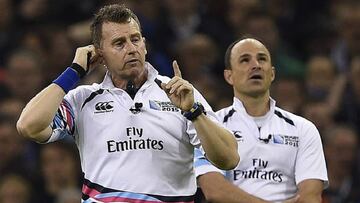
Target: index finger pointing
[(176, 68)]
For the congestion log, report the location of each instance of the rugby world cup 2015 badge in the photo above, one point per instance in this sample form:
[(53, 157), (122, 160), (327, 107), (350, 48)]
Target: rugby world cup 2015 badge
[(163, 106), (286, 140)]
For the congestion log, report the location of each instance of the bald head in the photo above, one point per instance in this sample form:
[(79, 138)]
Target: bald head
[(247, 44)]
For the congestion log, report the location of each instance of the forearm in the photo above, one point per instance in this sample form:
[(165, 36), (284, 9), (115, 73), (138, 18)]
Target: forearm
[(219, 144), (233, 194), (218, 190), (310, 191), (38, 114), (35, 120), (309, 200)]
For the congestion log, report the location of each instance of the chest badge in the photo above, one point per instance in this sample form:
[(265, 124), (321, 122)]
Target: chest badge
[(104, 107), (162, 106)]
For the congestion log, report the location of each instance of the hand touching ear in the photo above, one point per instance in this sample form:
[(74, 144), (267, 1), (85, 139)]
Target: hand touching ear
[(86, 57)]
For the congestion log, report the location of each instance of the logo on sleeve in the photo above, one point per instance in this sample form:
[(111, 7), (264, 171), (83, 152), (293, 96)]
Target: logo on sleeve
[(104, 107), (162, 106)]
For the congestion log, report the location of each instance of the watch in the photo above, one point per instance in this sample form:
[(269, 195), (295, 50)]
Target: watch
[(196, 110)]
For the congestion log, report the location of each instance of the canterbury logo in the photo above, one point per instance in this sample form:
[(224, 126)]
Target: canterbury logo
[(102, 107)]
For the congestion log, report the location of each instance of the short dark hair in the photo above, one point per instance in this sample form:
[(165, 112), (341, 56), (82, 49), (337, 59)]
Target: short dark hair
[(228, 54), (111, 13)]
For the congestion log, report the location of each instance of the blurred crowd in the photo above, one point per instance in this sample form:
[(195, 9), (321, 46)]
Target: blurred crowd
[(315, 49)]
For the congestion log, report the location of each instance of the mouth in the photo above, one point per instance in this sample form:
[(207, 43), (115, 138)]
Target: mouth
[(256, 77), (132, 62)]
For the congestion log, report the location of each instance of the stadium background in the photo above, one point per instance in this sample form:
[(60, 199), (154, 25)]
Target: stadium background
[(315, 47)]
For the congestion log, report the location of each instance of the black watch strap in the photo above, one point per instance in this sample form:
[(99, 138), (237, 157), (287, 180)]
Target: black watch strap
[(194, 112)]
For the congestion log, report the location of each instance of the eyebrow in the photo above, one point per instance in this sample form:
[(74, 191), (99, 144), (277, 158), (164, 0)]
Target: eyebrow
[(244, 55), (123, 38), (118, 39), (263, 54)]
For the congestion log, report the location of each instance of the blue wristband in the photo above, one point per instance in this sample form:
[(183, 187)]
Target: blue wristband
[(67, 80)]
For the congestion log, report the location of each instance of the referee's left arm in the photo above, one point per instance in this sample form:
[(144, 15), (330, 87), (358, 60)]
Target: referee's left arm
[(219, 144), (310, 191)]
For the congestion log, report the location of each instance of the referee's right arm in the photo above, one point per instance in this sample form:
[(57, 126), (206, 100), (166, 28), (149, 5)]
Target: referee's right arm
[(38, 114), (35, 119)]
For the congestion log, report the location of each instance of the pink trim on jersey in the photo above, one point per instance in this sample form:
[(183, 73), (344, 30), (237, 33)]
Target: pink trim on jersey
[(68, 116), (89, 191), (129, 200), (123, 199), (93, 192)]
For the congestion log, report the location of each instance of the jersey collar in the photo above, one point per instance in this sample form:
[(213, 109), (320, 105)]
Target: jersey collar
[(252, 122), (152, 74), (239, 106)]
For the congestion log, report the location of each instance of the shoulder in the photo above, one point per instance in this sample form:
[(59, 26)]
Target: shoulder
[(85, 89), (225, 113), (83, 94), (292, 119)]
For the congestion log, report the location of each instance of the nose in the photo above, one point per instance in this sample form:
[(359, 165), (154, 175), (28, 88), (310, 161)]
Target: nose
[(255, 64), (131, 48)]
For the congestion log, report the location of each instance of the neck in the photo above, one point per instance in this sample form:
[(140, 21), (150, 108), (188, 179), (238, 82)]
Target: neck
[(138, 81), (255, 106)]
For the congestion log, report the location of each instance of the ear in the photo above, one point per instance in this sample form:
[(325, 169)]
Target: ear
[(228, 76), (273, 73), (144, 44), (100, 53)]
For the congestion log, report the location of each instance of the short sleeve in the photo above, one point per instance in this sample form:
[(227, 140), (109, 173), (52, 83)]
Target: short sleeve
[(63, 123), (310, 163), (202, 165)]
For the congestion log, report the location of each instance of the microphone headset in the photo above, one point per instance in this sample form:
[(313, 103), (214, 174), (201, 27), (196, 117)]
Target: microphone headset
[(265, 140), (136, 108)]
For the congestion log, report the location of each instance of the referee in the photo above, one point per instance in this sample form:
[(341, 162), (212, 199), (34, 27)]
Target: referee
[(282, 159), (136, 131)]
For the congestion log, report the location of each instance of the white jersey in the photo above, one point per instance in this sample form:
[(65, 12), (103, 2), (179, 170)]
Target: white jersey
[(137, 149), (277, 152)]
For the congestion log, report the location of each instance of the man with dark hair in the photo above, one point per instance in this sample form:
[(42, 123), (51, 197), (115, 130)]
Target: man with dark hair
[(281, 154), (115, 14), (136, 130)]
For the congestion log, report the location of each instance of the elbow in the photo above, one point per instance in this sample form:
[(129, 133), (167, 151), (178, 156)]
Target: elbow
[(25, 129), (228, 163), (235, 161), (232, 162)]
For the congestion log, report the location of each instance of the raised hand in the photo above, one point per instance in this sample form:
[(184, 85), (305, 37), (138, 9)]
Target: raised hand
[(179, 91), (86, 57)]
